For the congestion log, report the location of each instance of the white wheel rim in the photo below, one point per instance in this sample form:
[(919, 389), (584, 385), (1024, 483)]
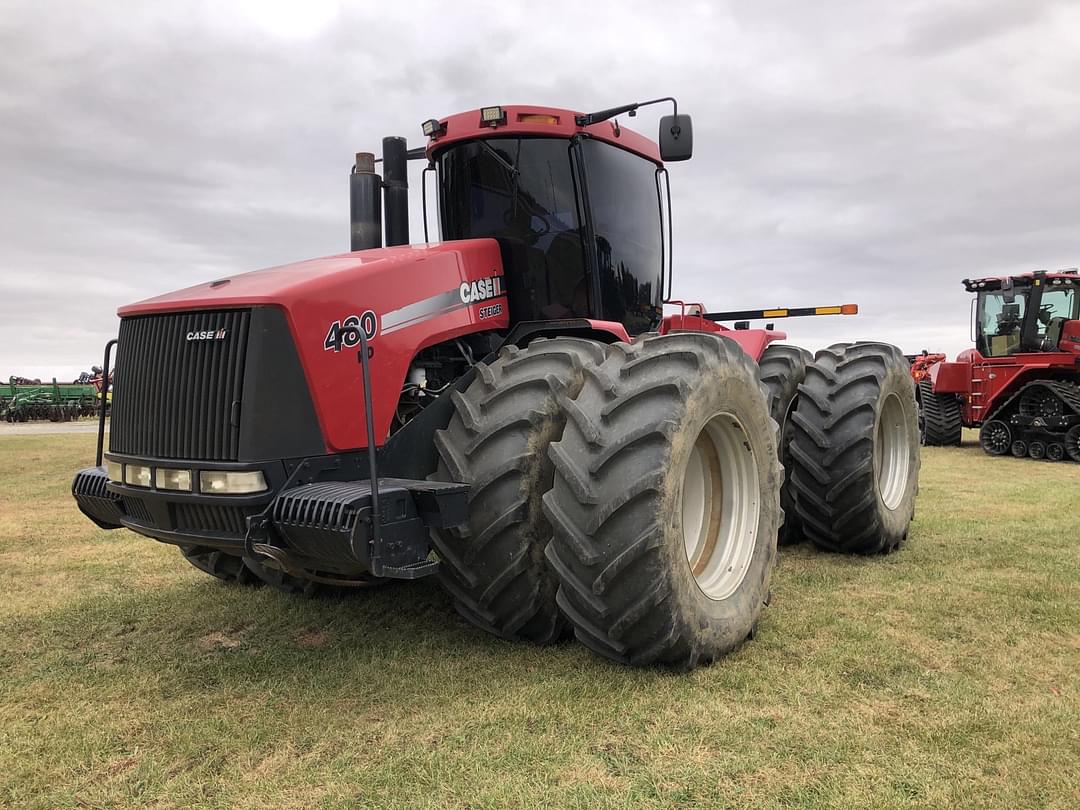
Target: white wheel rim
[(892, 452), (720, 504)]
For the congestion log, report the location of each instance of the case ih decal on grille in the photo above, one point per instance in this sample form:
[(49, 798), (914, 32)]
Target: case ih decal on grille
[(339, 335), (212, 334)]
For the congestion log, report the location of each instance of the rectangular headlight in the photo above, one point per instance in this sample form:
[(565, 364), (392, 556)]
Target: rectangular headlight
[(223, 482), (173, 479), (114, 471), (137, 475)]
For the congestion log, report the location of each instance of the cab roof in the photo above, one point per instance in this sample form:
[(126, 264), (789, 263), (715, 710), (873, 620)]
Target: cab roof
[(1070, 276), (550, 122)]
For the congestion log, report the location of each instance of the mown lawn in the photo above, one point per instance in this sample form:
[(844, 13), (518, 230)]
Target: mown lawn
[(945, 675)]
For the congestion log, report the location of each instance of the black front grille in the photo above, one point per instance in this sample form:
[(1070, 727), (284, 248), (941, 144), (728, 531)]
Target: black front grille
[(179, 398), (137, 511), (197, 517)]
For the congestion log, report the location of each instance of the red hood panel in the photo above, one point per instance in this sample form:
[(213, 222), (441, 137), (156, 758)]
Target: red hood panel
[(407, 298), (306, 279)]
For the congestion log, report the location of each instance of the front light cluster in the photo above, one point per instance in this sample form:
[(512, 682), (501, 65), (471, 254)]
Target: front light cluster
[(211, 482)]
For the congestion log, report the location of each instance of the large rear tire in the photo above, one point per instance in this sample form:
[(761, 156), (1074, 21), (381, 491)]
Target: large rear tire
[(856, 449), (942, 421), (782, 369), (666, 502), (497, 441)]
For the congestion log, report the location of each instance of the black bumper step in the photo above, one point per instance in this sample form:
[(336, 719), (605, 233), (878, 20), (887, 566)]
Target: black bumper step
[(94, 500), (332, 521)]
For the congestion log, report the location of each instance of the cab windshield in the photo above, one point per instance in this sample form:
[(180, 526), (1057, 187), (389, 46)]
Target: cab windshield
[(1000, 323)]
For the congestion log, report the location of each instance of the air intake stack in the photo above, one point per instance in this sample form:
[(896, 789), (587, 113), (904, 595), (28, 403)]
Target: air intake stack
[(396, 190)]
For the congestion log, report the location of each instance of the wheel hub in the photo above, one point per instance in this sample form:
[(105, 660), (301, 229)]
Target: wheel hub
[(891, 452), (719, 506)]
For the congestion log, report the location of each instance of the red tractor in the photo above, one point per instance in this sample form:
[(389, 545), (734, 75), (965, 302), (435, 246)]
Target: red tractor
[(1021, 382), (509, 408)]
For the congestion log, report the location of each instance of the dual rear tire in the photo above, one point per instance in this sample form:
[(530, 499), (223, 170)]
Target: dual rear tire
[(659, 471)]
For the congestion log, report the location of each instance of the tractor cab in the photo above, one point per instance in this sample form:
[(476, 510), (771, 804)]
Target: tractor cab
[(578, 204), (1024, 314)]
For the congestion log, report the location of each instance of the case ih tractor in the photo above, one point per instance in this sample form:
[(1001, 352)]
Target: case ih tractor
[(1021, 382), (508, 409)]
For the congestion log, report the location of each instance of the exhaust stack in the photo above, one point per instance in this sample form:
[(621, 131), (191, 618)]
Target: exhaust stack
[(365, 203), (396, 190)]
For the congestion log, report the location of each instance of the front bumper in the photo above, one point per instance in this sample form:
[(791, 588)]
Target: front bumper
[(321, 525)]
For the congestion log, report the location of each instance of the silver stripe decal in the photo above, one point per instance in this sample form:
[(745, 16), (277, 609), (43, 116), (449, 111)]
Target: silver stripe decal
[(422, 310)]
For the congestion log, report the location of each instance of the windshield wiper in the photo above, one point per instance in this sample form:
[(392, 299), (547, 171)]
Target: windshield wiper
[(502, 161)]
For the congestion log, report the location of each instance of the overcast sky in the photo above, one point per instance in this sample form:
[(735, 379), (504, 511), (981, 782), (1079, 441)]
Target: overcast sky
[(846, 150)]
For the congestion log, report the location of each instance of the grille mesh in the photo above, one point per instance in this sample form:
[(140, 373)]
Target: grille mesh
[(211, 518), (176, 398)]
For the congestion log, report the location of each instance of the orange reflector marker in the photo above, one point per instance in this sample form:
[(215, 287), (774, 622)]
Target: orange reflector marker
[(537, 118), (849, 309)]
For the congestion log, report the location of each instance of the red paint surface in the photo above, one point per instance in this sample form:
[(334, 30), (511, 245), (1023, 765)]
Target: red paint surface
[(1070, 337), (985, 382), (752, 341), (466, 126), (318, 292)]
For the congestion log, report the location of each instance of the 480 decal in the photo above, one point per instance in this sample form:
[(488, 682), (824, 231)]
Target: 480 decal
[(339, 336)]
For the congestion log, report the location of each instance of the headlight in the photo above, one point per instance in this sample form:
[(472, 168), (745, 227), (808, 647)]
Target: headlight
[(222, 482), (136, 475), (174, 479), (114, 471)]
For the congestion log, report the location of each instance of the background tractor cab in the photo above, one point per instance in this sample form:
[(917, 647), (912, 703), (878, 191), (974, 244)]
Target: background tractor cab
[(1026, 314)]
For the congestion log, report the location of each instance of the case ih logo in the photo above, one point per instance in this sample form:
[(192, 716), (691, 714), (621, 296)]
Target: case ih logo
[(218, 334), (475, 291)]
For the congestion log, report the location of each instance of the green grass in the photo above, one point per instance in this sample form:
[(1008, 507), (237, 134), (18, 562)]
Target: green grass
[(943, 675)]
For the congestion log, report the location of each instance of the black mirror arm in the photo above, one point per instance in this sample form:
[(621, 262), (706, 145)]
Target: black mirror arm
[(603, 115)]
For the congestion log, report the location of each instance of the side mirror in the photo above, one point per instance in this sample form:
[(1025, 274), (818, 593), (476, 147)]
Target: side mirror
[(676, 138)]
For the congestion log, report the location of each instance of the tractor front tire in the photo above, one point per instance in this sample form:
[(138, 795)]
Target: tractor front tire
[(856, 449), (666, 502), (497, 441), (942, 421), (782, 369)]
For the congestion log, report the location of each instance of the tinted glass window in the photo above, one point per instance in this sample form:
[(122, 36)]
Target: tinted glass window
[(1000, 323), (1057, 304), (521, 192), (626, 221)]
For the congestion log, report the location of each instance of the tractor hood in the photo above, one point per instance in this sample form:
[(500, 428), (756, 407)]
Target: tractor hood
[(314, 279), (404, 299)]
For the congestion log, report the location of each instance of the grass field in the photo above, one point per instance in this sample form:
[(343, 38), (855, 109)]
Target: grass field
[(943, 675)]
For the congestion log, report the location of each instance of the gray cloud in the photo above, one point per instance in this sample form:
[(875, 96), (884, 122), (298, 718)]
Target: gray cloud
[(845, 151)]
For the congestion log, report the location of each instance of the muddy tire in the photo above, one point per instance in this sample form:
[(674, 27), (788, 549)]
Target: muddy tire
[(856, 449), (226, 567), (497, 441), (940, 417), (669, 456), (782, 369)]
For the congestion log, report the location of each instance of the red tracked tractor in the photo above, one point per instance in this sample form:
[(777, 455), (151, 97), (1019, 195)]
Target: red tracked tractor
[(1021, 383), (508, 409)]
